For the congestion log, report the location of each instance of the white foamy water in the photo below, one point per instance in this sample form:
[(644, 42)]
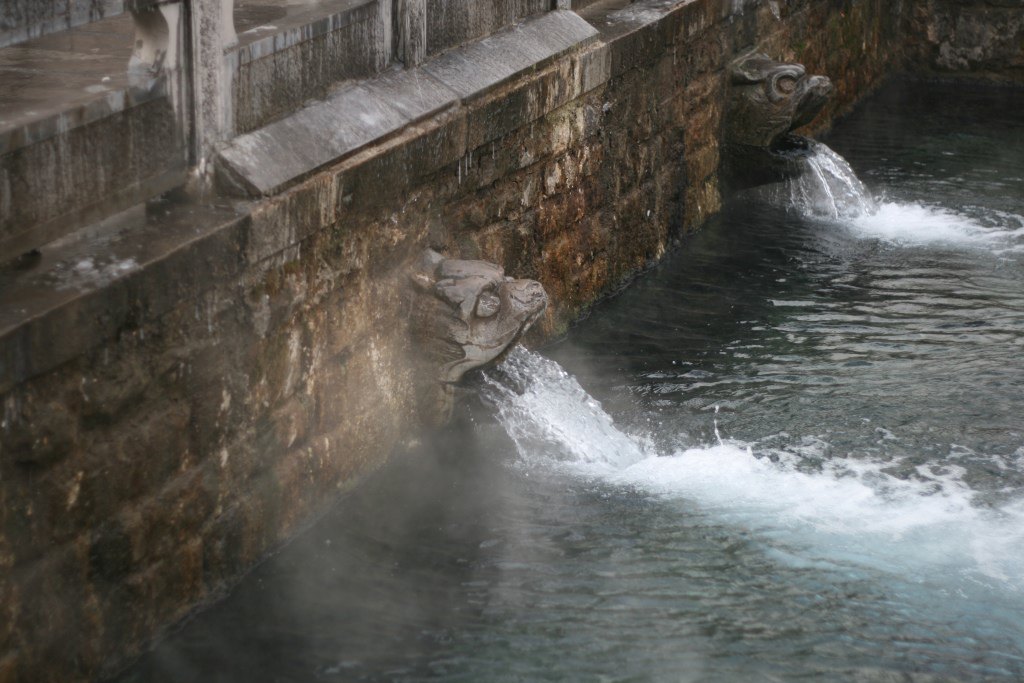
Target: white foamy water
[(846, 511), (830, 189), (918, 224), (548, 412), (827, 188)]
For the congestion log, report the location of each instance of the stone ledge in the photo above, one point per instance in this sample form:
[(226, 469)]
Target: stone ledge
[(75, 107), (96, 281), (474, 70), (276, 156)]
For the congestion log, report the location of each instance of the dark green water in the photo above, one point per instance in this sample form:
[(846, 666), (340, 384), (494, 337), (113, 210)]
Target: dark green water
[(794, 451)]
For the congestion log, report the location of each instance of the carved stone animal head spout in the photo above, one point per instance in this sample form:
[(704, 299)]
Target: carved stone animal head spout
[(472, 313), (767, 101)]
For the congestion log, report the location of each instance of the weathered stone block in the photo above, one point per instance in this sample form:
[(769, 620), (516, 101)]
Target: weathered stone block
[(454, 22), (371, 181), (289, 219), (524, 102), (37, 430), (595, 66)]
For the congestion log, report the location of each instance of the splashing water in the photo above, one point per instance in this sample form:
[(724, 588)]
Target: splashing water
[(918, 224), (845, 511), (531, 403), (827, 188)]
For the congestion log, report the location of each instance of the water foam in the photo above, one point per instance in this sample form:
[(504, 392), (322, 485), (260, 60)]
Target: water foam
[(829, 189), (919, 224), (846, 510)]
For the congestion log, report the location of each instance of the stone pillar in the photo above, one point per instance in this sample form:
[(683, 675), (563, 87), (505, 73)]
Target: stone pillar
[(383, 35), (412, 40), (561, 4), (213, 31)]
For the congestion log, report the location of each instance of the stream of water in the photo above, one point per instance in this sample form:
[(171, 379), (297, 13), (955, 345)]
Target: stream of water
[(793, 451)]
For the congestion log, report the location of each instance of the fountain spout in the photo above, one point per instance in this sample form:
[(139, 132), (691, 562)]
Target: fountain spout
[(768, 100), (468, 314)]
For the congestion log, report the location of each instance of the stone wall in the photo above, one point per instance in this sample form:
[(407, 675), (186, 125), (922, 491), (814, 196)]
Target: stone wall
[(48, 185), (272, 75), (971, 37), (454, 22), (163, 431)]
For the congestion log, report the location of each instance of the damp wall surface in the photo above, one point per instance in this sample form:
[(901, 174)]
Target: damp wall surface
[(190, 383), (973, 38)]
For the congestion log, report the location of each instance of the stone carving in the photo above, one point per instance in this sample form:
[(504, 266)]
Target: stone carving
[(473, 312), (767, 101)]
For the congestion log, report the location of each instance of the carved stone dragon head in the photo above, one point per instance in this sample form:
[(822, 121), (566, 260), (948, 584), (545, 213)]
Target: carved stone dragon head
[(767, 101), (473, 312)]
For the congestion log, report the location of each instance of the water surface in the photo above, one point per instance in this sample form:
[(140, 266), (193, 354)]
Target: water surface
[(794, 451)]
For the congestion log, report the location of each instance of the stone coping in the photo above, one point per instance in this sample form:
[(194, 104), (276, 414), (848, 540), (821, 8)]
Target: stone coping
[(268, 160), (69, 79), (148, 259)]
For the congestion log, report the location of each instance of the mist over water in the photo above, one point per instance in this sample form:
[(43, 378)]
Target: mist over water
[(793, 451)]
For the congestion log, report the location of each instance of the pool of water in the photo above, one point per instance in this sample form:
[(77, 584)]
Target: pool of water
[(793, 451)]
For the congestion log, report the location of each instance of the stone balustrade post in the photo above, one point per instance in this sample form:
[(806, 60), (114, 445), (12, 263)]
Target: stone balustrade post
[(412, 41), (213, 31)]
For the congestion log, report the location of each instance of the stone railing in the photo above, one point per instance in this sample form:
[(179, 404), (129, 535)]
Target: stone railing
[(116, 101)]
